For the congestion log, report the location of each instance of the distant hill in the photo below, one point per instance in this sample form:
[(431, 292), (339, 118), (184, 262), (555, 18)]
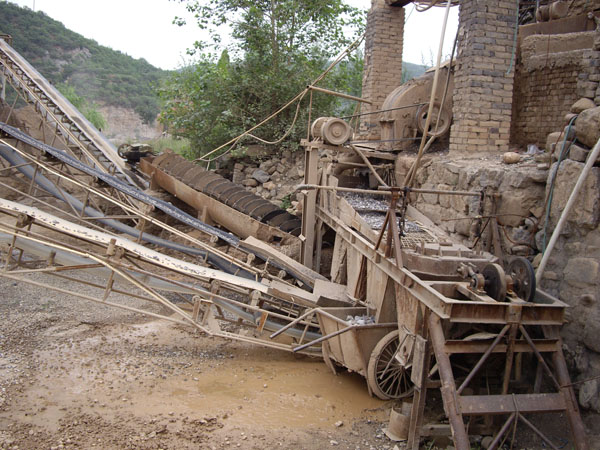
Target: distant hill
[(410, 70), (97, 73)]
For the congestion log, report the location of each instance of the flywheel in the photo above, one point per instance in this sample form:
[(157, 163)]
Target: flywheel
[(523, 278), (443, 123)]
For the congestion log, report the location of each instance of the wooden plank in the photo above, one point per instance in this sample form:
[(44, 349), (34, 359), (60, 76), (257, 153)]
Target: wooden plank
[(420, 367), (506, 404), (353, 258), (291, 293), (338, 261), (305, 274), (311, 158), (376, 287), (331, 294)]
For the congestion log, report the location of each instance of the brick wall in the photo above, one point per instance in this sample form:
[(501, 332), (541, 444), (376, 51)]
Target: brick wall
[(554, 71), (542, 99), (483, 81), (383, 60)]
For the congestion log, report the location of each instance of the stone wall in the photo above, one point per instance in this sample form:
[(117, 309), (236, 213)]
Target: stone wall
[(573, 270), (577, 7), (272, 178), (573, 274), (483, 76), (383, 61), (588, 81), (552, 73), (521, 190)]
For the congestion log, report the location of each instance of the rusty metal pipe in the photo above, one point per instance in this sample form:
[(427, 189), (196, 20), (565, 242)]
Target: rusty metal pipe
[(384, 191)]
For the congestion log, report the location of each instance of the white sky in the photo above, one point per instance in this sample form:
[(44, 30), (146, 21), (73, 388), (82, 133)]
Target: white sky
[(144, 29)]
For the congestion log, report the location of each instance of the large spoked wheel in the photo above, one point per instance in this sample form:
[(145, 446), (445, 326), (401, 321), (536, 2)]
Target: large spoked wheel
[(387, 377)]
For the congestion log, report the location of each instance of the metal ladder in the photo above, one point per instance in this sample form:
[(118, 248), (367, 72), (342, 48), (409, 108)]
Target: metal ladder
[(83, 140)]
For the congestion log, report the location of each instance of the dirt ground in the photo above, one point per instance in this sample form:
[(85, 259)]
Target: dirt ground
[(75, 374), (79, 375)]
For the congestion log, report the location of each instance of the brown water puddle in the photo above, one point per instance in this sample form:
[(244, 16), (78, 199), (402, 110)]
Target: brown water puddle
[(251, 387), (276, 393)]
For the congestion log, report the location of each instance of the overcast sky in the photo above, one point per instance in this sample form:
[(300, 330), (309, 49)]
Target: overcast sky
[(144, 29)]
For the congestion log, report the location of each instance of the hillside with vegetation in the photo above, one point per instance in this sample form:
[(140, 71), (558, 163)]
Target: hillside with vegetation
[(95, 73)]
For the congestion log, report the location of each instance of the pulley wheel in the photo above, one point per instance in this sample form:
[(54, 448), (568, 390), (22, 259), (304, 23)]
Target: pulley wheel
[(332, 130), (336, 131), (495, 281), (444, 122), (523, 277)]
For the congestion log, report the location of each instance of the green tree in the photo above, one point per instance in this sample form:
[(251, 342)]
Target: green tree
[(278, 48)]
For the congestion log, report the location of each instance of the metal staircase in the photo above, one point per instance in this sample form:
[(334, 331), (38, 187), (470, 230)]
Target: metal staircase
[(82, 139)]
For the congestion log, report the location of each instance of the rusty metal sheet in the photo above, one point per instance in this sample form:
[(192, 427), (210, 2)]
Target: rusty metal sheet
[(243, 201), (179, 170), (158, 160), (220, 191), (279, 219), (228, 192), (290, 224), (233, 198), (170, 160), (251, 206), (267, 218)]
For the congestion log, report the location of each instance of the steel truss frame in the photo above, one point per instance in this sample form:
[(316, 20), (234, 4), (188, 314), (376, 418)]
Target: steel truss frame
[(136, 272), (75, 132), (68, 180), (450, 319)]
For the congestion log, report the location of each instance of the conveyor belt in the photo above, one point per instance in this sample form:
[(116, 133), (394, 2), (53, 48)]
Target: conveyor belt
[(137, 194), (126, 188), (83, 140)]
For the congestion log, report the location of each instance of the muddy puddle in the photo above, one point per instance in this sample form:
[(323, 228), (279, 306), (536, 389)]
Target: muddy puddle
[(194, 377), (275, 393)]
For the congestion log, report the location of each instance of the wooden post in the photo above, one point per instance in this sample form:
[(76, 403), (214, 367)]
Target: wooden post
[(311, 158), (448, 388)]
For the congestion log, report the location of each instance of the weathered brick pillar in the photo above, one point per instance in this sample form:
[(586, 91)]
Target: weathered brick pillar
[(484, 76), (383, 61)]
